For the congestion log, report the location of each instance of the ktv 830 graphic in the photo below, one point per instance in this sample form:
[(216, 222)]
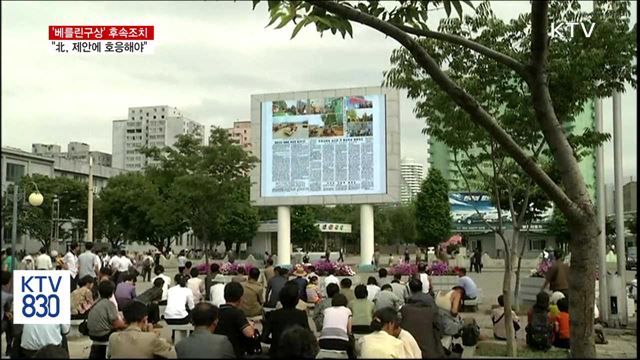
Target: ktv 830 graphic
[(41, 297)]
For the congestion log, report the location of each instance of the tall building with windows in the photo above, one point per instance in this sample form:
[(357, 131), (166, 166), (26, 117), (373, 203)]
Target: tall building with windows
[(148, 126), (75, 151), (412, 175), (441, 157), (241, 132)]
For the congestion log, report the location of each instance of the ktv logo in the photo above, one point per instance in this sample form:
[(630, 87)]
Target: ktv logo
[(41, 297), (566, 30)]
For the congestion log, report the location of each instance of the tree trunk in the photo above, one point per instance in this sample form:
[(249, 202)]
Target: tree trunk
[(582, 287), (512, 346), (516, 291)]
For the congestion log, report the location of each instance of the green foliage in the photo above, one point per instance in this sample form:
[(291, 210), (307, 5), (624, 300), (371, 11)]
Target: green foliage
[(303, 226), (38, 221), (432, 210), (303, 13), (558, 228)]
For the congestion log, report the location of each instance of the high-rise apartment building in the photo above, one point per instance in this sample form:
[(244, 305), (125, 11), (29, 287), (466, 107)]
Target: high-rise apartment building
[(241, 132), (148, 126), (441, 157), (412, 175)]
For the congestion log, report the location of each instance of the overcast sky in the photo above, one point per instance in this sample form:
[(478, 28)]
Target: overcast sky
[(209, 58)]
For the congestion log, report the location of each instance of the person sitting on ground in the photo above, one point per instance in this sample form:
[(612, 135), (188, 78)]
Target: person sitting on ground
[(187, 269), (314, 294), (202, 343), (383, 342), (52, 352), (330, 279), (540, 324), (217, 293), (126, 290), (159, 271), (274, 287), (233, 323), (346, 290), (196, 285), (386, 298), (208, 280), (561, 338), (276, 322), (449, 304), (420, 319), (318, 314), (242, 275), (312, 272), (36, 336), (382, 277), (399, 288), (498, 319), (252, 300), (82, 298), (372, 288), (103, 319), (362, 310), (301, 280), (336, 327), (297, 342), (138, 340), (179, 303), (425, 278), (151, 298), (469, 286), (553, 303)]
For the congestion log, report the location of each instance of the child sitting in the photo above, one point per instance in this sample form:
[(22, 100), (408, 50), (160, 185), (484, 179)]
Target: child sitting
[(313, 291), (553, 303), (561, 327)]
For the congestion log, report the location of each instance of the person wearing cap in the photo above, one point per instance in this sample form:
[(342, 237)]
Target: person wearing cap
[(301, 281)]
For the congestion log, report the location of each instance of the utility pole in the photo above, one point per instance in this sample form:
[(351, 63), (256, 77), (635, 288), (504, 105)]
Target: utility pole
[(90, 204), (617, 169), (602, 219)]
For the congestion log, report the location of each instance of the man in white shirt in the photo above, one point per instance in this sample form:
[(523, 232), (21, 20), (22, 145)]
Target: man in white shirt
[(179, 298), (114, 262), (43, 260), (70, 260), (88, 263), (124, 263), (159, 270), (35, 337), (217, 293), (331, 279)]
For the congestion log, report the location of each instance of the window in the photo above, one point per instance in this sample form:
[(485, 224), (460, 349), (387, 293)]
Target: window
[(133, 118), (245, 131), (162, 116), (154, 116), (155, 110), (15, 172), (140, 117), (147, 114), (537, 244)]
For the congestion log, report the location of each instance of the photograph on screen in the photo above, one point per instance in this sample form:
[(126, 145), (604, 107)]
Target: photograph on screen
[(316, 107), (358, 102), (359, 122), (291, 130), (327, 125), (289, 108)]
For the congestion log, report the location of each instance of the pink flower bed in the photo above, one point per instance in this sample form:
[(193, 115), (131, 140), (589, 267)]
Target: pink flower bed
[(322, 268)]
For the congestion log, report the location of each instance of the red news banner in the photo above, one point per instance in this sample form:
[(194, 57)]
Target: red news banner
[(117, 39)]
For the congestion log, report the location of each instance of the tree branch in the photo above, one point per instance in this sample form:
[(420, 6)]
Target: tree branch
[(551, 128), (504, 59), (478, 114)]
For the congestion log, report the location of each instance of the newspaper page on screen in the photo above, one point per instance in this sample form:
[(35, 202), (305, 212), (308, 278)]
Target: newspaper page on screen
[(324, 146)]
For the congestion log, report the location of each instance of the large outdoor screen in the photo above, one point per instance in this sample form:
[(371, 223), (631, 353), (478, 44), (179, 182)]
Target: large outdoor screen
[(323, 146)]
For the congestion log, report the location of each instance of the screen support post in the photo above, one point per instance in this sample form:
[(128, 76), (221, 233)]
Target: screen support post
[(284, 236), (366, 235)]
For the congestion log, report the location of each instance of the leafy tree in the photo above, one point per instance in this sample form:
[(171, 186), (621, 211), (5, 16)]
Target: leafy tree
[(38, 221), (303, 226), (241, 222), (529, 55), (432, 210), (403, 223)]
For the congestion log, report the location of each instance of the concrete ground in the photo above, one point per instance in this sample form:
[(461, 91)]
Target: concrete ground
[(622, 343)]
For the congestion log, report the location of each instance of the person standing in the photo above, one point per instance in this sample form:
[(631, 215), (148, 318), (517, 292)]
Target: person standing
[(88, 263), (182, 261), (557, 278), (407, 258), (327, 255), (478, 261), (341, 255), (418, 255), (43, 260), (7, 260), (71, 263), (124, 266), (376, 258), (252, 299), (147, 265)]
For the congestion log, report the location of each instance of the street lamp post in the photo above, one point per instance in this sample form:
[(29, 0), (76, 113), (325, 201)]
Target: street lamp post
[(35, 199)]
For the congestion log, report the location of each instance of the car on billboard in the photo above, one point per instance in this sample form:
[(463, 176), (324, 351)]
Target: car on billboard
[(472, 218)]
